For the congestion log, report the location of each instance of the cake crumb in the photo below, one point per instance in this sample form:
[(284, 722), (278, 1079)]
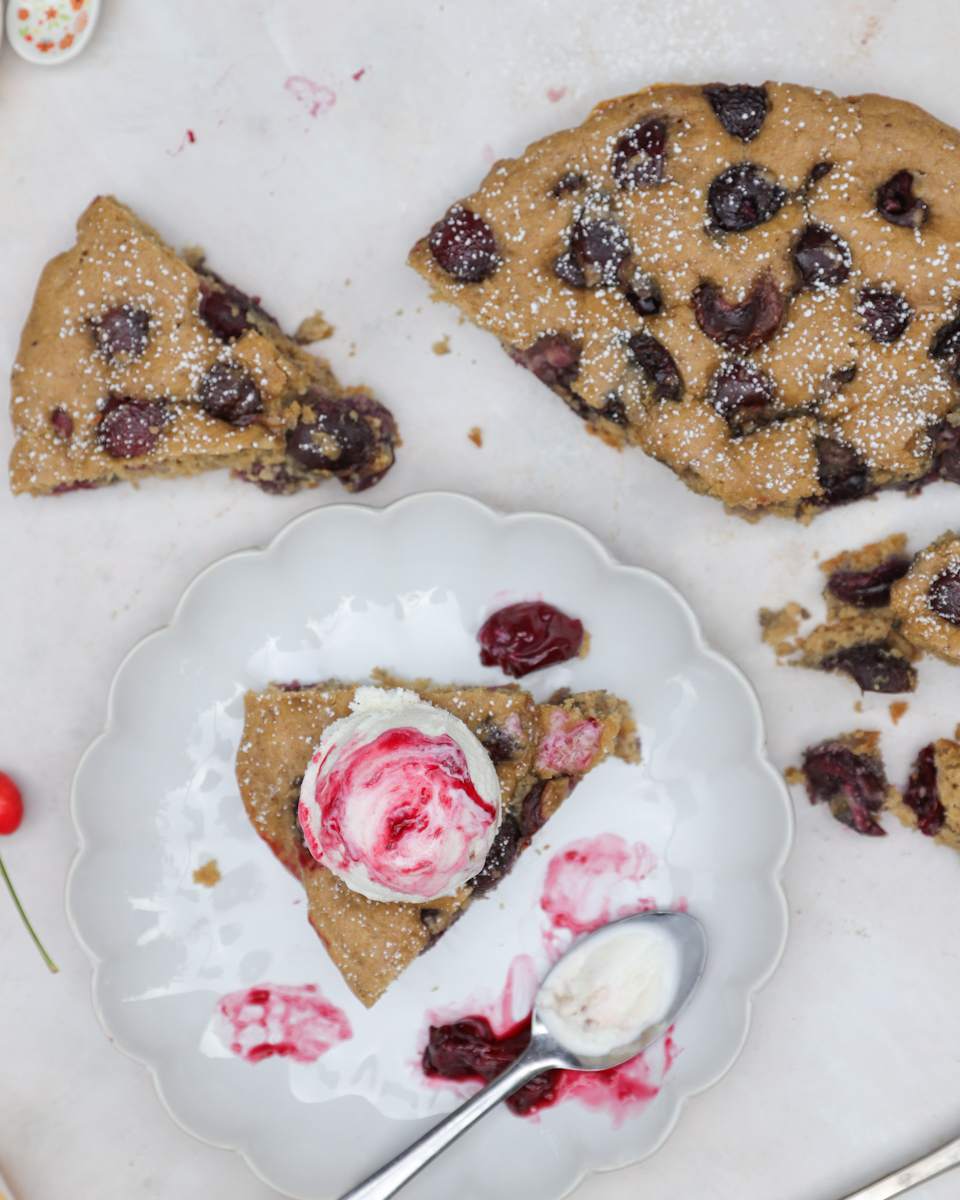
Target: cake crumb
[(897, 709), (208, 875), (584, 645), (476, 436), (794, 775), (313, 329), (443, 346), (956, 733), (858, 707), (779, 625)]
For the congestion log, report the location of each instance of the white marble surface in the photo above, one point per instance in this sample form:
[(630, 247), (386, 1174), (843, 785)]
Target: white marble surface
[(853, 1062)]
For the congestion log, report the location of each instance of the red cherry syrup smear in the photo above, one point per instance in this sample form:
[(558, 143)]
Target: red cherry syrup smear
[(276, 1019), (525, 637)]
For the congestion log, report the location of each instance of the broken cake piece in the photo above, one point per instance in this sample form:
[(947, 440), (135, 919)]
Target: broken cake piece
[(847, 774), (138, 361), (931, 800), (925, 601), (860, 637), (540, 752)]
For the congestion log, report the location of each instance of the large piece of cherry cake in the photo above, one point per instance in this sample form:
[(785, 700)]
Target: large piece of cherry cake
[(138, 361), (540, 752)]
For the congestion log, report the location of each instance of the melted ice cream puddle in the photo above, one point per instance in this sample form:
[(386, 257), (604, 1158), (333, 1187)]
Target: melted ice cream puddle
[(606, 993)]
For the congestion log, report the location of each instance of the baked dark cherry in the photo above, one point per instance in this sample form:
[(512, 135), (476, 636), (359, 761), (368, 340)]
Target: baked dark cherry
[(62, 423), (822, 257), (464, 246), (868, 589), (742, 326), (469, 1049), (597, 249), (525, 637), (844, 375), (741, 393), (344, 435), (129, 428), (229, 392), (819, 170), (638, 156), (744, 196), (853, 785), (842, 473), (80, 485), (554, 359), (224, 309), (122, 330), (532, 816), (657, 364), (873, 668), (498, 743), (944, 594), (571, 182), (740, 109), (897, 202), (613, 409), (642, 293), (885, 314), (946, 341), (946, 452), (922, 794), (500, 857)]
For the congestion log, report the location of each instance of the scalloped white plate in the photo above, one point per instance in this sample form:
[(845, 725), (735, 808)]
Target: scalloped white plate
[(340, 591)]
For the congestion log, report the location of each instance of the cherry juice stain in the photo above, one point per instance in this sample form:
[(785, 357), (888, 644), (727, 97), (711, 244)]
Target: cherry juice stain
[(593, 881), (277, 1019), (589, 883), (315, 96)]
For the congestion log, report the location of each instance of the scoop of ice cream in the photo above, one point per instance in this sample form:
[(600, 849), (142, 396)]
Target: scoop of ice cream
[(605, 993), (400, 800)]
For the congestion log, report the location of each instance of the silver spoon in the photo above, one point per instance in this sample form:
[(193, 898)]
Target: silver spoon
[(545, 1053), (908, 1177)]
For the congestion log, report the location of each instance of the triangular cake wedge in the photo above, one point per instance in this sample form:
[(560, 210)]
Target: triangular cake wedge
[(758, 286), (540, 751), (138, 361)]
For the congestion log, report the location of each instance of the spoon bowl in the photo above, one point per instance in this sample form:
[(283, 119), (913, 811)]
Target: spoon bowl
[(546, 1052)]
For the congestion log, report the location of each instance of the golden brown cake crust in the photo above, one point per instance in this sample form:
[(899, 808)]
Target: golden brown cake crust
[(372, 942), (875, 401), (119, 261)]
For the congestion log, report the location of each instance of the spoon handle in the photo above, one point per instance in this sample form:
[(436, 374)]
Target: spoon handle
[(907, 1177), (391, 1178)]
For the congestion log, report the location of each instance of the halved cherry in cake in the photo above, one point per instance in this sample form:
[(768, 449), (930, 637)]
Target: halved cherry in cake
[(122, 330), (822, 257), (128, 427), (740, 109), (742, 326), (886, 314), (854, 785), (744, 196), (500, 857), (62, 423), (922, 794), (464, 246), (657, 364), (842, 472), (873, 667), (342, 434), (869, 589), (229, 392), (525, 637), (598, 246), (741, 393), (638, 155), (944, 594), (553, 358), (897, 202)]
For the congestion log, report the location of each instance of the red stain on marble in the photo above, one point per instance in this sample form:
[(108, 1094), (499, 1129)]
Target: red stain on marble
[(316, 97), (556, 94)]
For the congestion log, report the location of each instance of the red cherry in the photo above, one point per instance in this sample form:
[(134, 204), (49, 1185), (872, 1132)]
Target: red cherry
[(11, 805)]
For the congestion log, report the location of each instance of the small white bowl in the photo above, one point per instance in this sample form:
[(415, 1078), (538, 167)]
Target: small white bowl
[(50, 40)]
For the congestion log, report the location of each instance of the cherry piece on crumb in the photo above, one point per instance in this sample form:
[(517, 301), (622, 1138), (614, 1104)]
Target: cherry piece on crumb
[(869, 589), (944, 594), (853, 785), (922, 794), (11, 805), (525, 637)]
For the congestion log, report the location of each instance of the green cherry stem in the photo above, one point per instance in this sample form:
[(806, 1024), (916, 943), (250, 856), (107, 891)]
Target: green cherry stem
[(46, 957)]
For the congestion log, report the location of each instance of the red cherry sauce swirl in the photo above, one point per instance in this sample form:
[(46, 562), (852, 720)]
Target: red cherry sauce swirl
[(404, 807)]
